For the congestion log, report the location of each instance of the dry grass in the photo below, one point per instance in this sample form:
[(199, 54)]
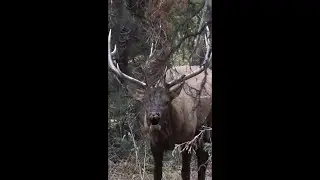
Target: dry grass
[(130, 169)]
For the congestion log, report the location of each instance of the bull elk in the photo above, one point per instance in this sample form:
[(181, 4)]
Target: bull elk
[(173, 116)]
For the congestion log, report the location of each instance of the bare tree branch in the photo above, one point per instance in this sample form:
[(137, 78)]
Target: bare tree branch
[(174, 49), (187, 19)]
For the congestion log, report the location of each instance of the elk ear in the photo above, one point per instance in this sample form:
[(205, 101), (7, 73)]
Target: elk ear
[(174, 92), (138, 94)]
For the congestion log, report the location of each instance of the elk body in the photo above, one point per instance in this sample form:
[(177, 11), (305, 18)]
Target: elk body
[(174, 112)]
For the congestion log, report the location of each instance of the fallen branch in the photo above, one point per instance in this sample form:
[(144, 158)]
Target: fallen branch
[(192, 143)]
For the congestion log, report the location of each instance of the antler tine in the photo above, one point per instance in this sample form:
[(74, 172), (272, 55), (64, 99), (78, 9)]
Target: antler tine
[(151, 50), (117, 70), (114, 51), (110, 54), (204, 65), (206, 39)]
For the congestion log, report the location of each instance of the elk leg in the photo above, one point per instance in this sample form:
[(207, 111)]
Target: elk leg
[(185, 172), (158, 157), (202, 157)]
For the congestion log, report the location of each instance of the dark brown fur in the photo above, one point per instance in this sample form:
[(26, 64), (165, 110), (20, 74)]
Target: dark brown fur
[(181, 116)]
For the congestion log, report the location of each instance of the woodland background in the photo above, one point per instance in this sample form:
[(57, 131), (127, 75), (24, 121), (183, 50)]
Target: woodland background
[(174, 31)]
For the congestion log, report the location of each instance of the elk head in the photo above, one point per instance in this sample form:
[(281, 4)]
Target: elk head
[(156, 99)]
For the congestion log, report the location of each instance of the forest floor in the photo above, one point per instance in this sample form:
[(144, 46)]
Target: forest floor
[(130, 169)]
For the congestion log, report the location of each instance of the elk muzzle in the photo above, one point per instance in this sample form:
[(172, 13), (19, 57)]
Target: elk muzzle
[(154, 118)]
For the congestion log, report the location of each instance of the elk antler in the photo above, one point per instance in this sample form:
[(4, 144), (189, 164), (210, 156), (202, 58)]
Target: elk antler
[(117, 70), (204, 65), (151, 50)]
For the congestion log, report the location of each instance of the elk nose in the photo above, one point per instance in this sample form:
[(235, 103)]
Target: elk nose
[(154, 118)]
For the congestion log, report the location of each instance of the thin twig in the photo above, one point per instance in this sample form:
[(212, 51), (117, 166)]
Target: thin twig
[(186, 20), (186, 37), (136, 152), (189, 144), (144, 160)]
